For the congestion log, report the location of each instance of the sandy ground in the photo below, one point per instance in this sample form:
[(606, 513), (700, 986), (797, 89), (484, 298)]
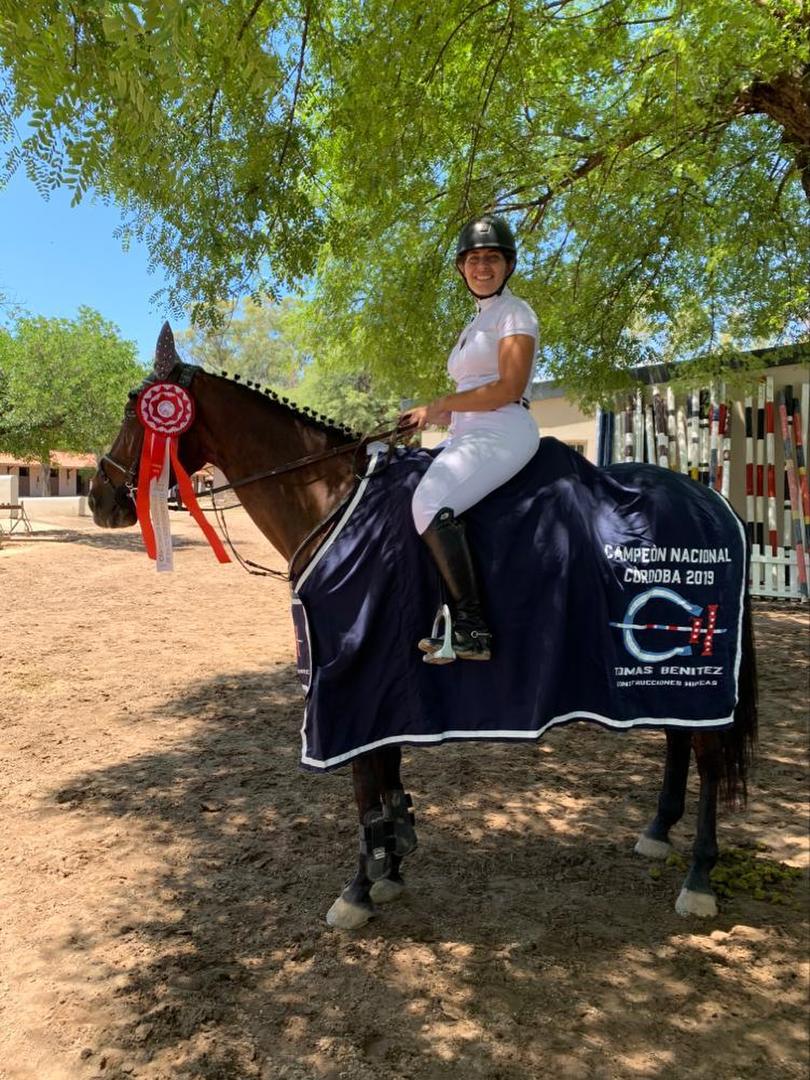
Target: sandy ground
[(165, 867)]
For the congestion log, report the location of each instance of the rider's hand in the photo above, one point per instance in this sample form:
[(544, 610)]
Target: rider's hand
[(414, 418), (422, 415)]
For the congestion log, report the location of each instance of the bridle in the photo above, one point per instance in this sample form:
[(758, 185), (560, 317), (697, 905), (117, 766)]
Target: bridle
[(127, 491), (129, 473)]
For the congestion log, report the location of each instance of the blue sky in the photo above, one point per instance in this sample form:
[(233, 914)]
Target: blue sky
[(55, 258)]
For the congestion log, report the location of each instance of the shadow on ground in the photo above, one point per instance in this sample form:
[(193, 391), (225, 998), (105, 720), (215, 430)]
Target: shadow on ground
[(532, 941)]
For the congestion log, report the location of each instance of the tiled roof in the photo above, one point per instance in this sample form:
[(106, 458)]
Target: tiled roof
[(59, 460)]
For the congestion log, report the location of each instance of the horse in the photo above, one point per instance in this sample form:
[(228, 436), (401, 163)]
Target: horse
[(292, 468)]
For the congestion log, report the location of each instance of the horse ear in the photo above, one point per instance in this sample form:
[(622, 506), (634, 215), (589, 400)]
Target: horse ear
[(165, 353)]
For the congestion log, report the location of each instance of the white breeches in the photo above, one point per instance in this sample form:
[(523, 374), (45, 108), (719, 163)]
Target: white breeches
[(484, 450)]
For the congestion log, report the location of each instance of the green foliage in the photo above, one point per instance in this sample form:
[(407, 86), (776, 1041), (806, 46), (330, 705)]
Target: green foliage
[(62, 383), (348, 397), (256, 341), (276, 345), (653, 157)]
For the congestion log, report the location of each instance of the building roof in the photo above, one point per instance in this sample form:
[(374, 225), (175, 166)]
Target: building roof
[(60, 459), (655, 374)]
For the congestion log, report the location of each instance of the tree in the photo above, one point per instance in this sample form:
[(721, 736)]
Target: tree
[(654, 158), (349, 397), (256, 341), (276, 345), (62, 384)]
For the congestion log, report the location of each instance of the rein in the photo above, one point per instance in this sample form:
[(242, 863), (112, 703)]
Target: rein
[(321, 526), (311, 459)]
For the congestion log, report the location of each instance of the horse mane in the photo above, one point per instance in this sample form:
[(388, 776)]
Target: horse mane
[(300, 412)]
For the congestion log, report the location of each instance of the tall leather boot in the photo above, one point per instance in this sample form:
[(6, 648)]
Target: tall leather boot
[(446, 538)]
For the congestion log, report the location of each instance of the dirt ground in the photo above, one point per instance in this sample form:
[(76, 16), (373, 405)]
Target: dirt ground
[(165, 867)]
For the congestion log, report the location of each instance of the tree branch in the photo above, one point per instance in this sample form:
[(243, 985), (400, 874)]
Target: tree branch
[(298, 75), (248, 19), (480, 121), (443, 49)]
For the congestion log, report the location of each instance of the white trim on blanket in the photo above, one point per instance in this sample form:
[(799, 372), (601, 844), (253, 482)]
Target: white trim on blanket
[(530, 733), (316, 558), (335, 533), (533, 733)]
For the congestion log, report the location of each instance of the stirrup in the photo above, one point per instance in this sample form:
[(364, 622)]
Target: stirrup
[(443, 651)]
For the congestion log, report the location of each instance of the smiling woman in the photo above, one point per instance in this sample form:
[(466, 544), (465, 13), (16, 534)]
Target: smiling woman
[(492, 434)]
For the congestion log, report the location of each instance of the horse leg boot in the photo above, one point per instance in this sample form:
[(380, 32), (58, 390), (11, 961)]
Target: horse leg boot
[(446, 538), (354, 907), (654, 841), (397, 809)]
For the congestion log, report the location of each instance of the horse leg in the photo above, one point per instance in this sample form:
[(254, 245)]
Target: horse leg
[(353, 908), (697, 896), (396, 809), (654, 841)]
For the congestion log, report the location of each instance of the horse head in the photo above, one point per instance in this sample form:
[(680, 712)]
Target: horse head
[(112, 489)]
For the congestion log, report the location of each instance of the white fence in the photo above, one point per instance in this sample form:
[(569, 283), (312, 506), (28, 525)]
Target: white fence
[(776, 577)]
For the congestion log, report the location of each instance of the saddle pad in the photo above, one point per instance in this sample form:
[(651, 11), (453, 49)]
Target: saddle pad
[(614, 595)]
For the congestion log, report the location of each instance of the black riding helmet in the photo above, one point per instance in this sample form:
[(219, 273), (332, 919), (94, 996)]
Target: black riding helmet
[(487, 231)]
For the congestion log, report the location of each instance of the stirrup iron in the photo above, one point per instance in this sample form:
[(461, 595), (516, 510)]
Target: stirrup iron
[(445, 654)]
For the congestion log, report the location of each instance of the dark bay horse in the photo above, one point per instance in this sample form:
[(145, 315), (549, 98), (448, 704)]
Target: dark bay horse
[(246, 432)]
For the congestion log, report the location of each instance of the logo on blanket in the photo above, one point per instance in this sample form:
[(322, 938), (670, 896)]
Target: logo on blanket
[(669, 624), (699, 634)]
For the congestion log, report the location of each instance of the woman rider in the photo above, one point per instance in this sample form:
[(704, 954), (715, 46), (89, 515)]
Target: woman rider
[(492, 433)]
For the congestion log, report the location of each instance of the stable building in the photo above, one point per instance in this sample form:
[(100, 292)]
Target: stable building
[(66, 475)]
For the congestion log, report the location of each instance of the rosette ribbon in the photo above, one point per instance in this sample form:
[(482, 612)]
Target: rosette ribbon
[(165, 411)]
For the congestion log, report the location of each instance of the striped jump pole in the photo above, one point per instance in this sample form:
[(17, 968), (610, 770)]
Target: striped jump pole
[(749, 469), (616, 429), (770, 459), (759, 474), (672, 431), (694, 435), (661, 430), (795, 502), (629, 437), (683, 438), (801, 468), (724, 468), (787, 529), (714, 435), (703, 470), (649, 433)]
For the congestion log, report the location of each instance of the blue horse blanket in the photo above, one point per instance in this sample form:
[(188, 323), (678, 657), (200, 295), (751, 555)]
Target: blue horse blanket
[(614, 595)]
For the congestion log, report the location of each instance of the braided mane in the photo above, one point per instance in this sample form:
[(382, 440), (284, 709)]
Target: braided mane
[(302, 412)]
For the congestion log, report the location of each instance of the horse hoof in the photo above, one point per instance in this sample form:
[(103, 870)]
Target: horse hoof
[(344, 915), (702, 904), (652, 849), (385, 891)]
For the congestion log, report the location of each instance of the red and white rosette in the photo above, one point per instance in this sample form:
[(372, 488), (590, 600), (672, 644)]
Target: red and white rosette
[(166, 411)]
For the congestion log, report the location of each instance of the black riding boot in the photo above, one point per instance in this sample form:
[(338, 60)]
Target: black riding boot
[(446, 538)]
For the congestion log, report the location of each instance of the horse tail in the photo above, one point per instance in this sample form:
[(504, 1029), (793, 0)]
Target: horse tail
[(739, 741)]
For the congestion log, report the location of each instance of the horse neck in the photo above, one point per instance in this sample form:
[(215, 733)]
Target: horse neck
[(242, 434)]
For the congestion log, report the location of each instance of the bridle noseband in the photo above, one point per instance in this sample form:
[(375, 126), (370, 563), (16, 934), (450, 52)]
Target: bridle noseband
[(129, 488)]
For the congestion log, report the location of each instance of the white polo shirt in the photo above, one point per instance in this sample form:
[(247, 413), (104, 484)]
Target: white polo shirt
[(474, 359)]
